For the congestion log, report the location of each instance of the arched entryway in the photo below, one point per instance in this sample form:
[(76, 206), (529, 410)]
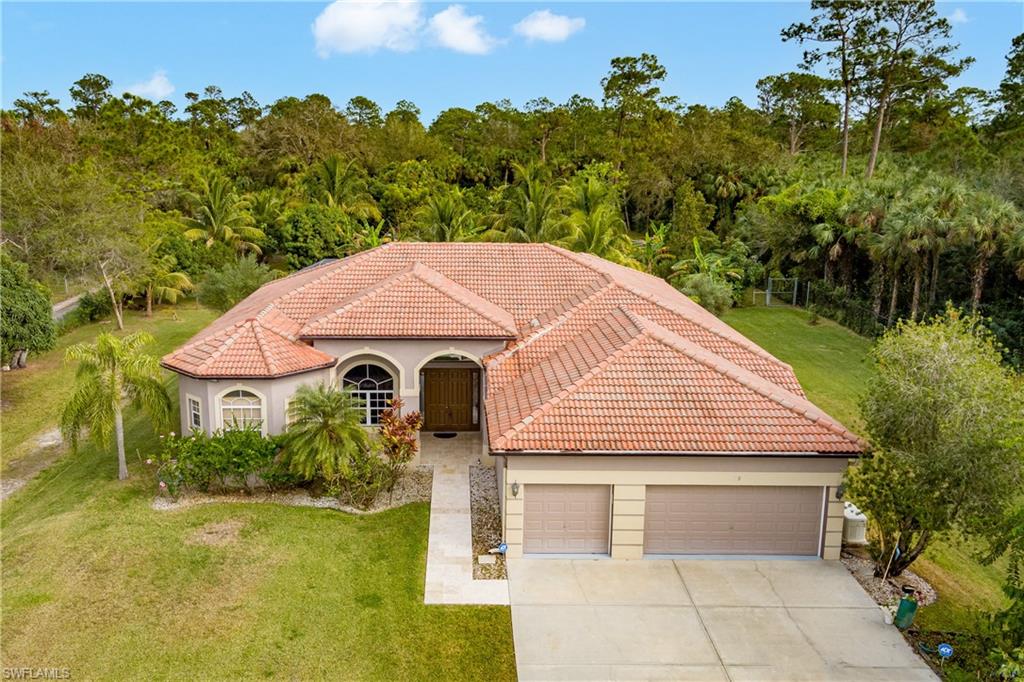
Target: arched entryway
[(450, 392)]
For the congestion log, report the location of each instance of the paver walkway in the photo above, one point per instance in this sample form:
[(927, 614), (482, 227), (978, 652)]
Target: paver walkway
[(450, 549), (701, 620)]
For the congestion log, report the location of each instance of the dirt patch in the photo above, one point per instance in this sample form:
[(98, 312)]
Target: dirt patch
[(886, 593), (414, 486), (217, 533), (486, 517), (43, 450)]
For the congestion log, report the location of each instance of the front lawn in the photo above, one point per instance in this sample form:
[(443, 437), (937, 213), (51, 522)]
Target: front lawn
[(34, 396), (832, 365), (98, 582)]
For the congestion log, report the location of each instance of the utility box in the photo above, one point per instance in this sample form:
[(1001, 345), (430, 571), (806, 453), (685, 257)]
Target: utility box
[(855, 525)]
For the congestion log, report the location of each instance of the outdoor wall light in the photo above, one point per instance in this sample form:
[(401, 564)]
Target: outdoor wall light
[(515, 488)]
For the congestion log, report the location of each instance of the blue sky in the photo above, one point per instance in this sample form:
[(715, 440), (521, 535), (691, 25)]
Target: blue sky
[(436, 54)]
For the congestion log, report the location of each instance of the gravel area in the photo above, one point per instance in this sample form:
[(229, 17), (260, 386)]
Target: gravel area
[(886, 593), (483, 499), (414, 486)]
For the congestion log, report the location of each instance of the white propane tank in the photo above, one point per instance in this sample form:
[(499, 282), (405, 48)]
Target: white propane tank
[(855, 525)]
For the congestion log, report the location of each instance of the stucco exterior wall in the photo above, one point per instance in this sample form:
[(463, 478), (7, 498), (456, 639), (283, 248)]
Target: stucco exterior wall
[(629, 476), (275, 394), (408, 356), (402, 357)]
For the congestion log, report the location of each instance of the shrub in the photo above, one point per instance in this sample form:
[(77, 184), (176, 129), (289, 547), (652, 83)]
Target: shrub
[(92, 306), (223, 289), (376, 469), (227, 459), (367, 476), (397, 439), (326, 442), (713, 294), (324, 436)]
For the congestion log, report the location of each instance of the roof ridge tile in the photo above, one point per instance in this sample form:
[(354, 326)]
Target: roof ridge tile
[(658, 300), (568, 390), (521, 343), (745, 377), (447, 287), (261, 343), (465, 296)]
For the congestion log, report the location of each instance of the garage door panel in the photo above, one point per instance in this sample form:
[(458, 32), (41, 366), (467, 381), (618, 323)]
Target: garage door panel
[(733, 520), (566, 519)]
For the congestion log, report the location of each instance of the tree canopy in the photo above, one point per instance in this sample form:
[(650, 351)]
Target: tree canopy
[(861, 171)]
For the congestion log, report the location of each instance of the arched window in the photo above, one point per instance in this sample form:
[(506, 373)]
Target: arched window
[(241, 409), (374, 386)]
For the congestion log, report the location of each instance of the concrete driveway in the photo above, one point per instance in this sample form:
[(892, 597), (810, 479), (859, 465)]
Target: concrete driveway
[(701, 620)]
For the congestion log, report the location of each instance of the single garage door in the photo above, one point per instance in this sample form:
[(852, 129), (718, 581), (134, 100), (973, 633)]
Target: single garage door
[(570, 519), (704, 519)]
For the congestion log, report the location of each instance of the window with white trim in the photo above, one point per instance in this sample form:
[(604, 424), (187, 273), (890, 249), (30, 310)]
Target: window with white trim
[(373, 386), (195, 413), (241, 409)]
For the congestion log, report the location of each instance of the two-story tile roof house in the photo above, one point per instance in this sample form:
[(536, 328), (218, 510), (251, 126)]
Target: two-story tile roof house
[(622, 418)]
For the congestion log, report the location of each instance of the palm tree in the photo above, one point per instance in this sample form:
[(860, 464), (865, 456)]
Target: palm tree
[(869, 208), (324, 432), (945, 199), (1015, 250), (653, 253), (163, 282), (716, 267), (221, 216), (266, 208), (586, 193), (339, 184), (532, 211), (990, 222), (366, 235), (110, 372), (600, 232), (445, 218), (912, 229)]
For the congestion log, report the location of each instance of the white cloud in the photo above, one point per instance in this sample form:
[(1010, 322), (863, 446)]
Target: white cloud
[(158, 87), (551, 28), (959, 16), (456, 30), (367, 26)]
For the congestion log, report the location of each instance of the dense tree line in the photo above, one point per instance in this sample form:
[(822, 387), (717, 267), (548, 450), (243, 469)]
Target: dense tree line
[(861, 170)]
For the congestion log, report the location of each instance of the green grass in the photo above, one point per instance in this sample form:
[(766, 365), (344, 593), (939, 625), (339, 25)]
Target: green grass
[(33, 397), (832, 364), (830, 361), (97, 581)]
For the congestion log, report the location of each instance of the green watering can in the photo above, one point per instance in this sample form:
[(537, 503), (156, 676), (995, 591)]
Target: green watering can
[(907, 609)]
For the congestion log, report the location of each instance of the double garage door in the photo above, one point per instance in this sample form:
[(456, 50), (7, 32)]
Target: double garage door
[(699, 519), (761, 520)]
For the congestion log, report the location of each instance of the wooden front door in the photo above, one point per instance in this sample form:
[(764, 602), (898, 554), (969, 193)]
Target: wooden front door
[(449, 399)]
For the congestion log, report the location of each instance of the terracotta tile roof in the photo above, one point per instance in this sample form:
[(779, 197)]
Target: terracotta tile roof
[(628, 384), (417, 301), (573, 325), (561, 326), (247, 349)]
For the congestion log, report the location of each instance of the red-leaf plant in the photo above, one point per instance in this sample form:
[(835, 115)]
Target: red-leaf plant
[(398, 440)]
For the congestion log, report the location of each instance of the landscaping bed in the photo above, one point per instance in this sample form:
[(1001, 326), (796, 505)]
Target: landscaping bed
[(886, 592), (486, 515), (413, 486)]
